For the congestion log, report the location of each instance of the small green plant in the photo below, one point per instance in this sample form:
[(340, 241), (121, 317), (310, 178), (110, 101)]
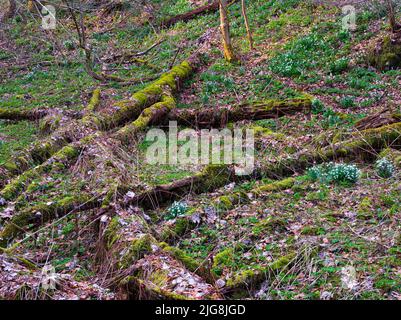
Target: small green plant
[(339, 66), (384, 168), (69, 45), (176, 209), (347, 102), (317, 106), (334, 172), (331, 118)]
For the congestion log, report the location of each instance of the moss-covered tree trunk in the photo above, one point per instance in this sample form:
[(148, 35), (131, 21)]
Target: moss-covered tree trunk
[(229, 54), (212, 118)]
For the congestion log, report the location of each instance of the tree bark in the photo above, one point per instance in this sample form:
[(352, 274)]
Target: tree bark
[(225, 32), (212, 118), (248, 28), (12, 7), (214, 6), (395, 27)]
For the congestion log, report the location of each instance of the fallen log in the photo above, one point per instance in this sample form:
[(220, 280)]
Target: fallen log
[(217, 118), (123, 111), (141, 267), (164, 111), (151, 94), (152, 115), (39, 214), (21, 114), (155, 278), (366, 144), (212, 7), (377, 120), (61, 160), (212, 177)]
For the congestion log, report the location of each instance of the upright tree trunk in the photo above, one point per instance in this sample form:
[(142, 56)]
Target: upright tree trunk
[(395, 27), (32, 5), (225, 31), (248, 29), (10, 10)]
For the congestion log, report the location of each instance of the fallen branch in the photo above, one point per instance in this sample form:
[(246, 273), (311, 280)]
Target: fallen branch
[(126, 56), (377, 120), (214, 6)]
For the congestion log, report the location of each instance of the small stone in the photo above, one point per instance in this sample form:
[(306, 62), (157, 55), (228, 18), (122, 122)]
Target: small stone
[(130, 194), (220, 283), (325, 295)]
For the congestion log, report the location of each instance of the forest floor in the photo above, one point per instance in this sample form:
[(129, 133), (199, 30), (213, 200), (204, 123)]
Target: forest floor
[(283, 233)]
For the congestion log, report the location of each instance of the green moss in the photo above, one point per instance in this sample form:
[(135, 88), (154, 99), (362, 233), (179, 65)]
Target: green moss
[(138, 248), (269, 224), (49, 124), (181, 226), (112, 232), (223, 259), (226, 202), (142, 122), (213, 177), (189, 262), (365, 209), (18, 184), (250, 278), (387, 57), (282, 262), (275, 186), (310, 230), (11, 166)]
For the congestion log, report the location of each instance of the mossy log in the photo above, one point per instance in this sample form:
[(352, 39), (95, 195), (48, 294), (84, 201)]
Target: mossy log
[(377, 120), (156, 276), (132, 250), (37, 215), (228, 202), (151, 115), (216, 118), (61, 160), (249, 279), (211, 178), (21, 114), (41, 151), (151, 94), (386, 54), (124, 110), (365, 144), (94, 101)]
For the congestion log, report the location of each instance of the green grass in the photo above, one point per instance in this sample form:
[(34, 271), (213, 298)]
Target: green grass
[(14, 137)]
